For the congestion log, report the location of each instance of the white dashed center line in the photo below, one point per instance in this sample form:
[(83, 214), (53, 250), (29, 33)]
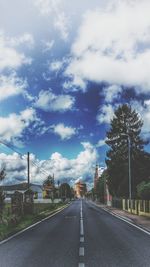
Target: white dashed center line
[(81, 239), (81, 251), (81, 265), (81, 248)]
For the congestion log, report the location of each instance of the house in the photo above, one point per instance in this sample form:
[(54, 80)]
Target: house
[(22, 188)]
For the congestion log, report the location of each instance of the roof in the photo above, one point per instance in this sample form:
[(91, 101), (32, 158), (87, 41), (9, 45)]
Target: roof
[(21, 187)]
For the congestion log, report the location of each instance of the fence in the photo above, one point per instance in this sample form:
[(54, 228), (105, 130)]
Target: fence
[(138, 207), (47, 201)]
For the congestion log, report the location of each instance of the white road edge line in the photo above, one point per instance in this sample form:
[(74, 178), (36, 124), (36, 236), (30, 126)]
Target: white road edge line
[(81, 265), (121, 218), (33, 225)]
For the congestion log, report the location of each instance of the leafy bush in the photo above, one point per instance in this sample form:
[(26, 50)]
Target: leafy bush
[(143, 190)]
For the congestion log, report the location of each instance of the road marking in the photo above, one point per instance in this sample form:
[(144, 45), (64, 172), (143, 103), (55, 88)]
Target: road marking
[(82, 239), (70, 217), (81, 251), (125, 220), (81, 227), (81, 205), (33, 225)]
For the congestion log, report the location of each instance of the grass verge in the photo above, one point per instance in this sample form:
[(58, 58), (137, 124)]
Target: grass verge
[(13, 224)]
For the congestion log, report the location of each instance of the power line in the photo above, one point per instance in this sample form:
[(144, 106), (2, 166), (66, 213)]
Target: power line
[(32, 161)]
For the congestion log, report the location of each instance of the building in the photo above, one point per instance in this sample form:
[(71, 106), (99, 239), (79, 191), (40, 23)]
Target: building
[(22, 188), (80, 189)]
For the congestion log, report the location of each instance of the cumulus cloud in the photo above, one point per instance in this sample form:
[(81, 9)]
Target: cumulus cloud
[(112, 93), (63, 168), (13, 126), (10, 58), (15, 166), (65, 132), (25, 39), (56, 65), (105, 114), (60, 19), (62, 24), (11, 85), (144, 111), (113, 46), (48, 101), (46, 6)]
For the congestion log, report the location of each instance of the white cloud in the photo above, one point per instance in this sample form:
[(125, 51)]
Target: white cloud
[(106, 113), (72, 169), (13, 126), (54, 9), (9, 57), (15, 166), (144, 112), (46, 6), (48, 101), (112, 92), (56, 65), (65, 132), (63, 168), (48, 45), (113, 46), (25, 39), (101, 143), (11, 85), (62, 24)]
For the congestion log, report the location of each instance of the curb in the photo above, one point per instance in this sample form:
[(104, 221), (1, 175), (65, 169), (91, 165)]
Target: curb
[(125, 219), (33, 225)]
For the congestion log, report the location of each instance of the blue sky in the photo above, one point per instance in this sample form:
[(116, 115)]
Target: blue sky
[(64, 67)]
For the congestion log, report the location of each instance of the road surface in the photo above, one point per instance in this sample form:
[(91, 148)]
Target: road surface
[(80, 235)]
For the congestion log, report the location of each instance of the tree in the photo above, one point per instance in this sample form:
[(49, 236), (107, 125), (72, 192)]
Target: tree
[(143, 190), (126, 125), (49, 181), (2, 196), (101, 185), (49, 187), (65, 191)]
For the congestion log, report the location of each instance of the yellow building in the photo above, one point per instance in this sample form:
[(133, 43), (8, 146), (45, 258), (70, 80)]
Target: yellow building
[(80, 189)]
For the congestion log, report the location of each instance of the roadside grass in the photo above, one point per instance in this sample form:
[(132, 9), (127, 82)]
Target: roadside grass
[(13, 224)]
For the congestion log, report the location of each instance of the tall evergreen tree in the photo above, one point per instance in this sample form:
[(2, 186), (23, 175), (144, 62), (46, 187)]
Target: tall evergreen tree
[(126, 125)]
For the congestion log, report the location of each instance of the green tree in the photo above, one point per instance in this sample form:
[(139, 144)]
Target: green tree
[(49, 187), (2, 196), (49, 181), (126, 124), (65, 191), (101, 185), (143, 190)]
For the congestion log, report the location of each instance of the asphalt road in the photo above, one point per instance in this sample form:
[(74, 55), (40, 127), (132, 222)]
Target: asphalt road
[(81, 235)]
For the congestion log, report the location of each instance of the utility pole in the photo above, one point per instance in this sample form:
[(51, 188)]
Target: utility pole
[(28, 168), (129, 164)]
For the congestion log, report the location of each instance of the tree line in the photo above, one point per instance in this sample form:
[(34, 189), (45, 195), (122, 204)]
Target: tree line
[(126, 154)]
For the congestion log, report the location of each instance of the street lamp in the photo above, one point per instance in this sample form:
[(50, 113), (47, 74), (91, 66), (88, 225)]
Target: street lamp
[(129, 163), (129, 166)]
